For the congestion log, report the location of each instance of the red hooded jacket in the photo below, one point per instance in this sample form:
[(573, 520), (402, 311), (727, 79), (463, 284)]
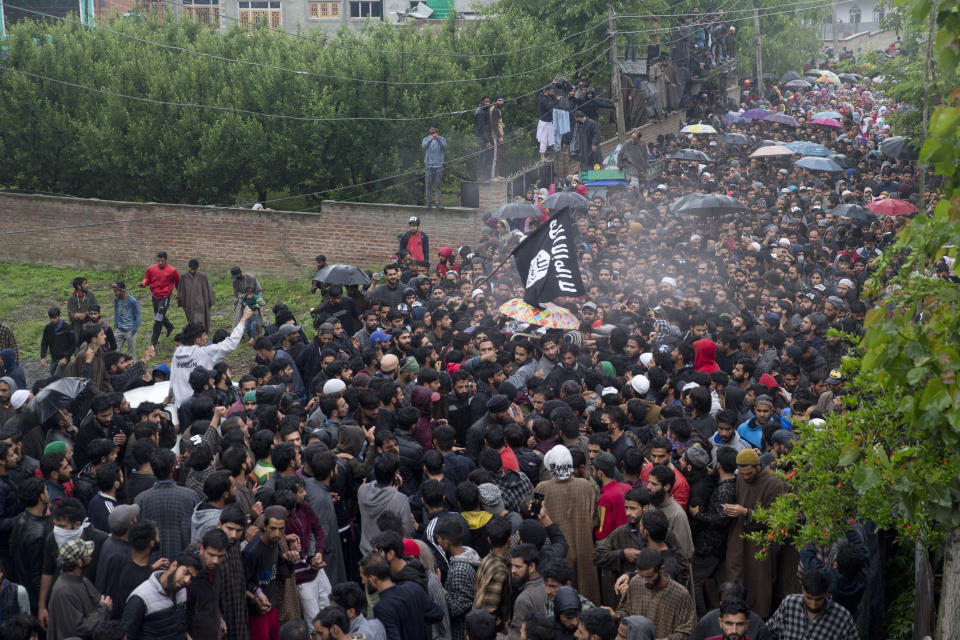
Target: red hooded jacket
[(705, 352)]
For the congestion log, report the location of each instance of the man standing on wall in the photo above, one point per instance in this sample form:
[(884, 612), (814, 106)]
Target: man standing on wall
[(481, 127), (496, 133), (433, 146), (161, 278)]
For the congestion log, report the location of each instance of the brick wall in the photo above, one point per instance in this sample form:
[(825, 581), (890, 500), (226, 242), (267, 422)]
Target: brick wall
[(72, 232)]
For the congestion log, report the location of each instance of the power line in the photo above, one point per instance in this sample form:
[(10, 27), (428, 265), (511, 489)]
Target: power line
[(276, 115), (797, 9), (397, 53), (516, 135), (298, 72)]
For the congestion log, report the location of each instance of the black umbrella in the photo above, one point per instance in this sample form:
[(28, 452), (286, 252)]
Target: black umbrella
[(344, 274), (860, 216), (690, 154), (517, 211), (848, 77), (57, 395), (768, 143), (563, 199), (898, 147), (708, 204), (735, 138), (790, 75), (840, 158)]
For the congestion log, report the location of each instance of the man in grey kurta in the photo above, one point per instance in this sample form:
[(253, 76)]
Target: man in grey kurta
[(196, 295), (318, 495), (241, 281)]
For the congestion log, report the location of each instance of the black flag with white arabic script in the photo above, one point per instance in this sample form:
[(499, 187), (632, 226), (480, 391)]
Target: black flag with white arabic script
[(547, 261)]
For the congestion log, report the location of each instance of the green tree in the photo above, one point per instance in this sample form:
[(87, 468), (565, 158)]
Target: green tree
[(892, 457)]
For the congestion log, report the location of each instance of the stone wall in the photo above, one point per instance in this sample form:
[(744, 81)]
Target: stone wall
[(74, 232)]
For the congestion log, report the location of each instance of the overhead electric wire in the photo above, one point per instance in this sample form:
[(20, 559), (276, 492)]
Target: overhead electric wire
[(299, 72), (278, 116)]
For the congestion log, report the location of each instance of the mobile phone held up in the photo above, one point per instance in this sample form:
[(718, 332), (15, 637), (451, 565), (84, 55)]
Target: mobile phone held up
[(536, 504)]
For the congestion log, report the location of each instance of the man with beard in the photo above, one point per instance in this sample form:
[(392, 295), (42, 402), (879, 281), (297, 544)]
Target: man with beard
[(204, 615), (658, 598), (195, 294), (219, 490), (323, 466), (734, 620), (812, 613), (498, 412), (459, 415), (532, 598), (752, 430), (710, 526), (755, 488), (76, 607), (233, 523), (661, 449), (568, 369), (659, 486), (726, 435), (158, 607), (265, 570), (617, 553)]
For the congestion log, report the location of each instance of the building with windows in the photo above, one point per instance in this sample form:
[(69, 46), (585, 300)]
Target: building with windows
[(289, 15)]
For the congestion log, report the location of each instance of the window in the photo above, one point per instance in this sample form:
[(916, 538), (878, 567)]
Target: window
[(325, 10), (855, 15), (260, 12), (155, 8), (879, 13), (206, 12), (366, 8)]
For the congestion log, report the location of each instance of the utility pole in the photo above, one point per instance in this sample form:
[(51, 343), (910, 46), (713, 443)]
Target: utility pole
[(836, 41), (3, 25), (756, 43), (615, 74)]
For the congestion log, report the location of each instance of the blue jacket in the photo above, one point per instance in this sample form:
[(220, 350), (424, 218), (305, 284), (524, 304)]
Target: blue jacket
[(126, 314), (434, 152)]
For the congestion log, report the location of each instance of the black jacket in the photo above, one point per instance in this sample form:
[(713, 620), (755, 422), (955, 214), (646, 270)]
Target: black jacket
[(26, 552), (411, 461), (59, 339), (481, 124)]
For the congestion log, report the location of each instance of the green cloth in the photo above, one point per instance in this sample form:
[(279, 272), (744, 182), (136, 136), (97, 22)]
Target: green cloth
[(608, 369)]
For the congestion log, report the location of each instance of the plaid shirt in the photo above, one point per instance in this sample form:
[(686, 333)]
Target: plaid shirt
[(791, 622), (171, 507), (515, 487), (494, 590), (233, 599), (8, 340), (669, 608), (459, 585)]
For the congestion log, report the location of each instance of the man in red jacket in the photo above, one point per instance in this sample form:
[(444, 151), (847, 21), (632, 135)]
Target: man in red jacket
[(162, 278)]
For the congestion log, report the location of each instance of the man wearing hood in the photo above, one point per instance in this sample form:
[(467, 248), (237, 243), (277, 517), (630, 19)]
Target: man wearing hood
[(379, 496), (194, 352), (566, 613), (705, 354), (462, 572), (636, 628), (219, 491)]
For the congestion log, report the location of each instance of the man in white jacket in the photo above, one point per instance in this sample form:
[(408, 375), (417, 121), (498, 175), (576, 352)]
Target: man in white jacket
[(194, 352)]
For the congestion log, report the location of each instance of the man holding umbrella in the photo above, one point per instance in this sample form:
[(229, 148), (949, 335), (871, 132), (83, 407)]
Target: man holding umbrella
[(321, 262)]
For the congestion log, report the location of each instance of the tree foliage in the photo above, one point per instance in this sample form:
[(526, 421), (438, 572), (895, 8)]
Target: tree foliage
[(892, 458), (62, 139)]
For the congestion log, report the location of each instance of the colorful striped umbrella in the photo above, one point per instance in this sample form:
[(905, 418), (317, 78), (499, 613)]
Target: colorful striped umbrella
[(550, 315)]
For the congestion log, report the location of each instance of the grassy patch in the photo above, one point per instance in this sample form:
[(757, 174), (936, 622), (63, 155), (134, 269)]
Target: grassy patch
[(30, 290)]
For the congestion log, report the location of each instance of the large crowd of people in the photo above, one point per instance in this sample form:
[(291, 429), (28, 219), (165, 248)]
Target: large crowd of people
[(408, 463)]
